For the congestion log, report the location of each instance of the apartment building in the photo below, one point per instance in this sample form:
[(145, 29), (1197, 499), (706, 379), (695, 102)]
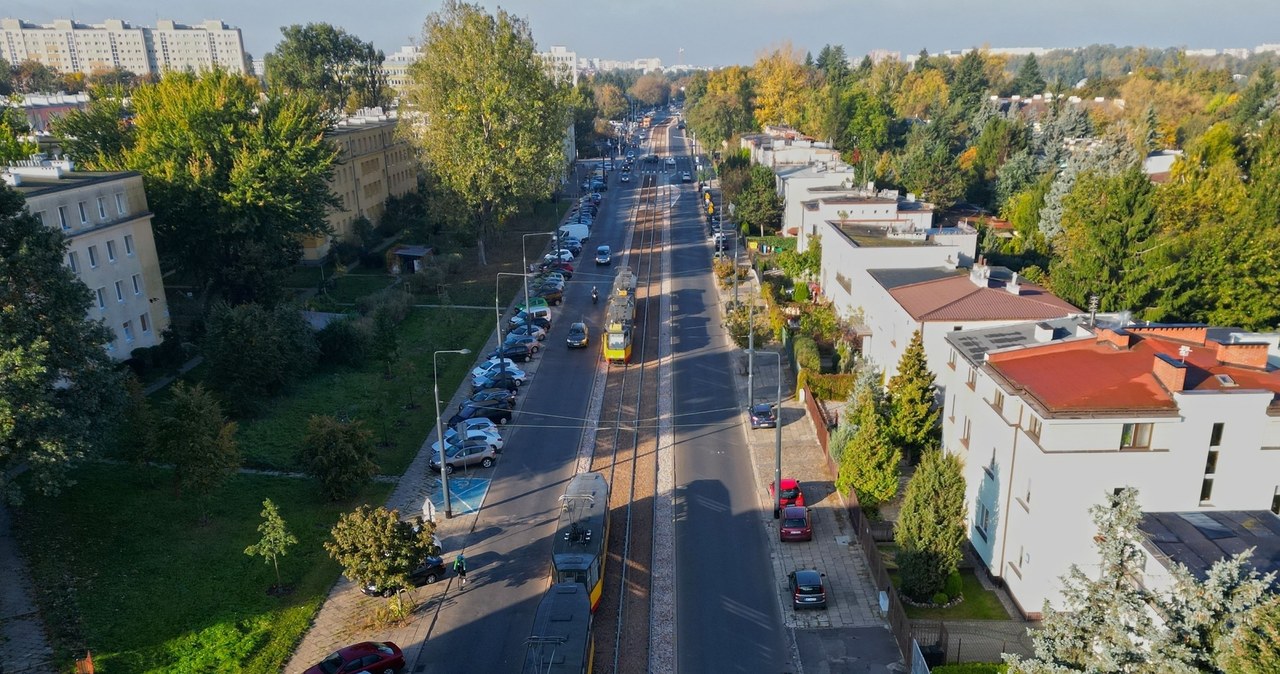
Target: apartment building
[(562, 64), (938, 301), (396, 67), (68, 46), (374, 164), (1049, 417), (111, 248)]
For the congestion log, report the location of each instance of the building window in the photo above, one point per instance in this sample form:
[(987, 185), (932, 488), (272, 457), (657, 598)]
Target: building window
[(120, 205), (73, 261), (997, 401), (119, 291), (127, 328), (137, 284), (951, 359), (1135, 436), (1215, 438), (1206, 490), (102, 297), (1211, 463), (1275, 501), (62, 218), (1034, 426), (128, 245), (111, 251), (964, 432), (102, 208), (40, 215), (982, 521), (93, 257), (84, 213), (973, 378), (145, 324)]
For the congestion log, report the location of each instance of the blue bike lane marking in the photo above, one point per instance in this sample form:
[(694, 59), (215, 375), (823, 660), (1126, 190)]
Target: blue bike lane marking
[(466, 494)]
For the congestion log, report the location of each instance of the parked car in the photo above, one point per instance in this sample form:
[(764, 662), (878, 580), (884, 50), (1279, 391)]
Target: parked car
[(551, 295), (791, 494), (366, 656), (795, 524), (470, 453), (763, 416), (534, 302), (429, 571), (562, 255), (494, 411), (807, 589), (477, 424), (499, 394), (604, 255), (489, 434), (523, 318), (528, 331), (506, 380), (571, 244), (578, 336), (494, 365), (519, 352)]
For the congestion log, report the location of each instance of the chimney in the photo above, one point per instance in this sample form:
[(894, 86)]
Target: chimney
[(1012, 286), (1043, 332), (1244, 354), (1118, 337), (980, 272), (1171, 372)]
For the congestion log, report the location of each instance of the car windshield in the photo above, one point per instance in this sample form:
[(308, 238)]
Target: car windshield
[(793, 522), (763, 410), (331, 664), (790, 493)]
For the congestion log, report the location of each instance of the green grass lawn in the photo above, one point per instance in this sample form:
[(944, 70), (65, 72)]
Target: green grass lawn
[(273, 440), (126, 570), (979, 603), (351, 287)]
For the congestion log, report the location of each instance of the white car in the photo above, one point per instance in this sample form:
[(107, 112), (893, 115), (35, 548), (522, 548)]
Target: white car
[(561, 255), (493, 366), (450, 438), (671, 161)]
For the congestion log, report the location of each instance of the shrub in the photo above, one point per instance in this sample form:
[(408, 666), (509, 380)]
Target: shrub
[(801, 292), (339, 454), (954, 585), (919, 573), (394, 301), (723, 269), (453, 264), (941, 598), (344, 342), (806, 351), (428, 277), (830, 387)]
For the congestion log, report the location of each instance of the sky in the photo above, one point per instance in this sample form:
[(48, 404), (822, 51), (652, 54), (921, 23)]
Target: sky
[(725, 32)]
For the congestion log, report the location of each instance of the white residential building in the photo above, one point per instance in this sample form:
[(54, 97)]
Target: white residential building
[(111, 249), (938, 301), (1052, 416), (396, 67), (67, 46), (902, 218), (798, 184), (562, 63), (787, 149)]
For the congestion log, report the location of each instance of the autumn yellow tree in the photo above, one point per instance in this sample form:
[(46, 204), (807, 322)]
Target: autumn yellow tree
[(780, 80), (920, 92)]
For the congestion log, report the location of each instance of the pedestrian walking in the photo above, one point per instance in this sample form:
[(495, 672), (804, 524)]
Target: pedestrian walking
[(460, 567)]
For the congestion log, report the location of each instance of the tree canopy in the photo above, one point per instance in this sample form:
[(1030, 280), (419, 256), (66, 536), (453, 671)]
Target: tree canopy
[(327, 61), (58, 387), (496, 119)]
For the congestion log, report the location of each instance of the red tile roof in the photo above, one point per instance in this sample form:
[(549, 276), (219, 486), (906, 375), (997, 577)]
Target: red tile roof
[(957, 299), (1096, 375)]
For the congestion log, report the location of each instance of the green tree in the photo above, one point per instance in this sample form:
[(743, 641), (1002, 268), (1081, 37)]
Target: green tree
[(339, 454), (869, 464), (1029, 81), (913, 415), (497, 119), (930, 529), (375, 547), (321, 59), (255, 353), (758, 206), (58, 387), (929, 169), (860, 120), (6, 78), (199, 442), (97, 136), (12, 148), (1258, 98), (1106, 224), (610, 101), (1253, 644), (780, 82), (276, 539), (235, 181), (969, 83), (136, 430), (33, 77), (1106, 622)]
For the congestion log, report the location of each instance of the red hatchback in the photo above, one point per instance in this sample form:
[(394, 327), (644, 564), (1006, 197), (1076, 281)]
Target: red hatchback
[(795, 524), (369, 656), (791, 494)]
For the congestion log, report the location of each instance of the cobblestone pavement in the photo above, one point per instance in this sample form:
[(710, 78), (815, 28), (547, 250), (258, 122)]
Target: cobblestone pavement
[(23, 646)]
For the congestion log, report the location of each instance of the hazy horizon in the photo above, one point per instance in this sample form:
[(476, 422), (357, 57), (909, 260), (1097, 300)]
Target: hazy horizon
[(724, 32)]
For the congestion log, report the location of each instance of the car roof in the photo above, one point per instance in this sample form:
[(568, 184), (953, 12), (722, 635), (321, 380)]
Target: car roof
[(578, 326), (808, 577), (794, 511), (764, 407), (790, 483)]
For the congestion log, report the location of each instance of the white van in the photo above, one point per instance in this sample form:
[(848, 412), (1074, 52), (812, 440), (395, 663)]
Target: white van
[(578, 231)]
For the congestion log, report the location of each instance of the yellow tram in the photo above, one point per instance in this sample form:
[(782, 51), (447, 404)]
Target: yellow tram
[(561, 641), (582, 535), (619, 316)]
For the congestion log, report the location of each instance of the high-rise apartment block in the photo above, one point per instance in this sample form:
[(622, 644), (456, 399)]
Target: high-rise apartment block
[(70, 47)]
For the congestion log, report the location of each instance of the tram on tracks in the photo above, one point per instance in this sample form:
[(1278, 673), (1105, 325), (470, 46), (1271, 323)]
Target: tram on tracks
[(619, 316), (582, 535), (561, 640)]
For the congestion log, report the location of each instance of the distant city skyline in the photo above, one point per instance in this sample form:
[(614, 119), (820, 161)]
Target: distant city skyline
[(725, 32)]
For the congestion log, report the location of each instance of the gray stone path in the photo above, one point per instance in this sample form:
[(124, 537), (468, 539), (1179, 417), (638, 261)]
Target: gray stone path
[(23, 646)]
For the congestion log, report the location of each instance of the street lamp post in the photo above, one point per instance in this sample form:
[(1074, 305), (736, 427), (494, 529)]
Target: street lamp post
[(524, 259), (777, 444), (435, 381)]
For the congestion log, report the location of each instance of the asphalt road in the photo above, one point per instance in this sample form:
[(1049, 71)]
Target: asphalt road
[(482, 628), (727, 609)]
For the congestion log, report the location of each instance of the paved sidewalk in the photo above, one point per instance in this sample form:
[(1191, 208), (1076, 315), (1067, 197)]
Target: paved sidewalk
[(23, 646)]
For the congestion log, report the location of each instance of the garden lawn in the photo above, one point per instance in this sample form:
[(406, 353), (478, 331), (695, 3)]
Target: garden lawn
[(979, 603), (350, 287), (125, 569), (386, 406)]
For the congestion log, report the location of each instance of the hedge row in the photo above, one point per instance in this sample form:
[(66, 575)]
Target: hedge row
[(830, 387), (806, 351)]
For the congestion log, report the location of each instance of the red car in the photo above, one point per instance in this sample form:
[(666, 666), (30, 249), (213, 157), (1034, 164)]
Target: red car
[(369, 656), (795, 524), (791, 494)]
